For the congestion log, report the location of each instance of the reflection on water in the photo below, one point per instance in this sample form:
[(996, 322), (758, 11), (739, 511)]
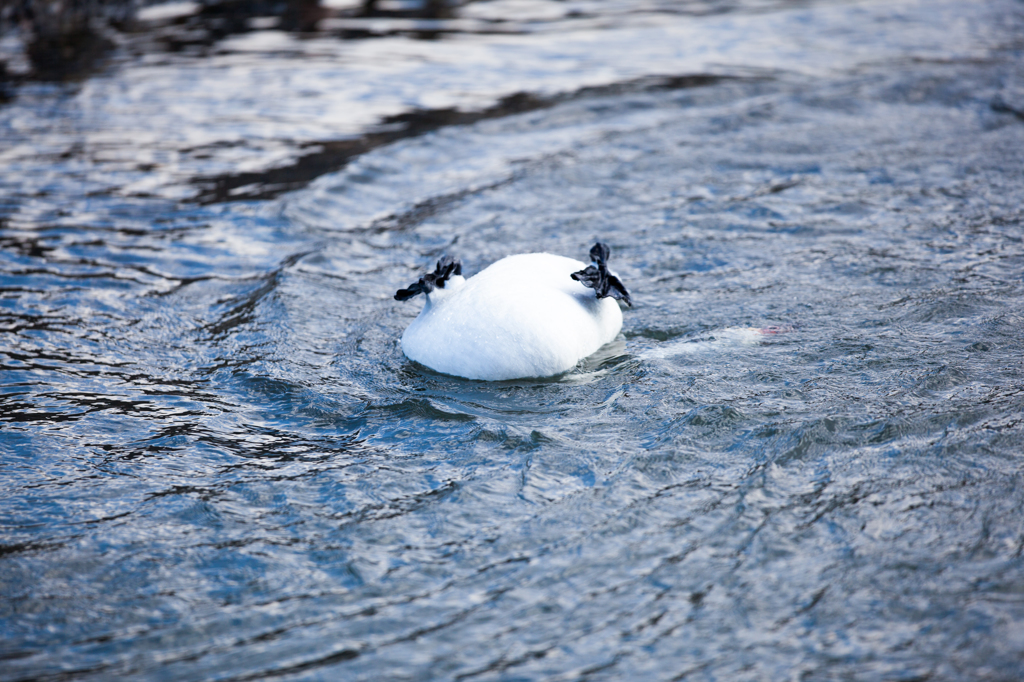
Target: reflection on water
[(801, 459)]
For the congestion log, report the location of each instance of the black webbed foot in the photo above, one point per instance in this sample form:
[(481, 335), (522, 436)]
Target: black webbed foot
[(447, 268), (598, 277)]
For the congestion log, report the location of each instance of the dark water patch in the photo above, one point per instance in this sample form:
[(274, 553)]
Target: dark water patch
[(331, 156), (1000, 106), (423, 409), (68, 56)]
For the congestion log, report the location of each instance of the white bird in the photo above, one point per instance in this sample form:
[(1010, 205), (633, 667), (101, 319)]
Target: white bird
[(530, 315)]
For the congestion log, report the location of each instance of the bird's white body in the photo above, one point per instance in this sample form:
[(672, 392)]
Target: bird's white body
[(524, 316)]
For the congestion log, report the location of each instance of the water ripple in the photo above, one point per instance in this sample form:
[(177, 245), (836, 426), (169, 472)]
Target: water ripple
[(800, 459)]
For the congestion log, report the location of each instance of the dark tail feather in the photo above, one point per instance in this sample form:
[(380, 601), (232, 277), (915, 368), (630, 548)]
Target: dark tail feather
[(447, 268), (599, 278)]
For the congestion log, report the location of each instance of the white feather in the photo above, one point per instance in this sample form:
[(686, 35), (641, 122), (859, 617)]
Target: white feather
[(523, 316)]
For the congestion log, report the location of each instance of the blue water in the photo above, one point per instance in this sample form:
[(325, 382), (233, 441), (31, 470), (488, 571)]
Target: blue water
[(218, 465)]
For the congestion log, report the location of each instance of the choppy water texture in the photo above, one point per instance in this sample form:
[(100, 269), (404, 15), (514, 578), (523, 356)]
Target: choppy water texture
[(218, 465)]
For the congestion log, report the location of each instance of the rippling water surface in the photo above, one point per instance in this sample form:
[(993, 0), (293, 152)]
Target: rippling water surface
[(217, 463)]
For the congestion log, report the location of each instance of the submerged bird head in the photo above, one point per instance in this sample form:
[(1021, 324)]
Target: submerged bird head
[(447, 274), (598, 277)]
